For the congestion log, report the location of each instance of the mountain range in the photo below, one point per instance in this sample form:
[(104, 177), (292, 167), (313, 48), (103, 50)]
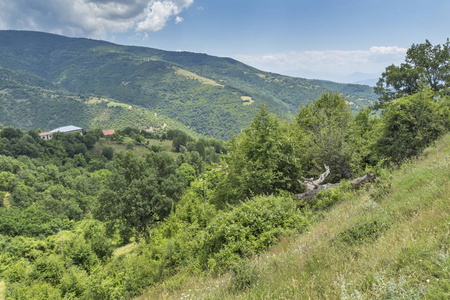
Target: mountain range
[(48, 80)]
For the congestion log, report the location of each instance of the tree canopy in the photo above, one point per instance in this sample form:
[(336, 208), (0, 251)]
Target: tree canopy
[(424, 64)]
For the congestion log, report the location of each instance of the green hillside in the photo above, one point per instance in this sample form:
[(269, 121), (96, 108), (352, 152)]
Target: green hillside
[(211, 95), (387, 241), (28, 105)]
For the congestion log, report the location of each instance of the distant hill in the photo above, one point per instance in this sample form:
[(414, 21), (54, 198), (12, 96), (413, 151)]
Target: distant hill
[(49, 80)]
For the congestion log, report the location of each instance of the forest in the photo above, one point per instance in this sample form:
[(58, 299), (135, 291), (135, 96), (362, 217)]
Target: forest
[(47, 80), (95, 217)]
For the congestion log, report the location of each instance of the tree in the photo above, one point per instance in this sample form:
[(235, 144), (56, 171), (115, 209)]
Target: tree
[(324, 132), (11, 133), (261, 160), (108, 152), (130, 199), (410, 124), (139, 192), (179, 138), (424, 63)]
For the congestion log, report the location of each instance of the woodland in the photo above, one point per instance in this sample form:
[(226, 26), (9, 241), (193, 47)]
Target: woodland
[(95, 217), (48, 81)]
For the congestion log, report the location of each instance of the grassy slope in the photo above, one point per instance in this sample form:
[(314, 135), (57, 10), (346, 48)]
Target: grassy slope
[(140, 150), (345, 256)]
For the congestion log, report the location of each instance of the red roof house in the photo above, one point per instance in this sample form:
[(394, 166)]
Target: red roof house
[(108, 132)]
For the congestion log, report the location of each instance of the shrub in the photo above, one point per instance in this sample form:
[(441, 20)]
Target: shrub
[(410, 124), (74, 282), (108, 152), (361, 233), (248, 229)]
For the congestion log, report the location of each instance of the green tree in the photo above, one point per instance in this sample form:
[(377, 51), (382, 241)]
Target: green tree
[(324, 132), (261, 160), (179, 139), (11, 133), (108, 152), (410, 124), (424, 63), (139, 192)]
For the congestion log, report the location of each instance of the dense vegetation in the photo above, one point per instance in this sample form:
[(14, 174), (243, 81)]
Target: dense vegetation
[(49, 80), (94, 217)]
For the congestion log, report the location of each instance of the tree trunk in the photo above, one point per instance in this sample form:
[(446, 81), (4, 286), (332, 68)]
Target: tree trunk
[(313, 186)]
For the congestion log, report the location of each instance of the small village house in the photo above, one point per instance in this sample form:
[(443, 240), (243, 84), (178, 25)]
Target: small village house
[(108, 132), (46, 135)]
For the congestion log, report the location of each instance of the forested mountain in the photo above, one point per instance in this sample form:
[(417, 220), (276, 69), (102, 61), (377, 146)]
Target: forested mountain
[(180, 217), (49, 80)]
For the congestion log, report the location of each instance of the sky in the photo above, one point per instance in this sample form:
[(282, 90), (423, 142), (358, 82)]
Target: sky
[(344, 41)]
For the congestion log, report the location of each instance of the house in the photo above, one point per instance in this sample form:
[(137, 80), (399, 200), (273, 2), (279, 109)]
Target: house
[(108, 132), (46, 135), (68, 129)]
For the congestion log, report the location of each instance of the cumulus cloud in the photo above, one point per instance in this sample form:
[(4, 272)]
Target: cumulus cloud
[(93, 18), (371, 61)]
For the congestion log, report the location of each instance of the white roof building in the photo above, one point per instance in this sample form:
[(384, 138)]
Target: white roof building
[(67, 129)]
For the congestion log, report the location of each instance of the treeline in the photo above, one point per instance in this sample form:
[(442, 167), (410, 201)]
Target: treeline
[(202, 211)]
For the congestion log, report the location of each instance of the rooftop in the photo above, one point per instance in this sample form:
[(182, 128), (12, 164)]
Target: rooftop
[(69, 128), (108, 132), (44, 133)]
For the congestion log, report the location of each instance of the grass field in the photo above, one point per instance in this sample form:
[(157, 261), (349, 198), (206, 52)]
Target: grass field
[(194, 76), (165, 145), (386, 241)]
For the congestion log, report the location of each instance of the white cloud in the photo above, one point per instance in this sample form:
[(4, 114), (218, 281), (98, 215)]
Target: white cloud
[(92, 18), (178, 20), (388, 50), (371, 61)]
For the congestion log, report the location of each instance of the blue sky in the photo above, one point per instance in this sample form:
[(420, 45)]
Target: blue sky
[(336, 40)]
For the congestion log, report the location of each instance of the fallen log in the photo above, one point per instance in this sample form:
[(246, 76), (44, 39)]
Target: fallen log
[(312, 187), (310, 184)]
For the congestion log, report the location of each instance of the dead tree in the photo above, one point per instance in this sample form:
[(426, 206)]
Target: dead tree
[(312, 187), (310, 184)]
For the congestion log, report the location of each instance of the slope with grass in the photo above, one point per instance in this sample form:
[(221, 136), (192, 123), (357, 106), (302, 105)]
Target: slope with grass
[(206, 93), (386, 241)]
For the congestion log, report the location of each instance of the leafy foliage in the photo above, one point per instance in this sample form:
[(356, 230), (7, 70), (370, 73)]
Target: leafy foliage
[(410, 124), (140, 192), (424, 64), (325, 126), (261, 160)]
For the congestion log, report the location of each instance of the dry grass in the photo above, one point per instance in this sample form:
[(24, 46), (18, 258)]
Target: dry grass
[(2, 290), (194, 76), (124, 249), (247, 100)]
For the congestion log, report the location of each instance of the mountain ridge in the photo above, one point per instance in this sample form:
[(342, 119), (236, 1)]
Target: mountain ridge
[(213, 96)]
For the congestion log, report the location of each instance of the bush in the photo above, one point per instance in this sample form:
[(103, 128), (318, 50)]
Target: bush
[(361, 233), (108, 152), (248, 229), (49, 268), (410, 124), (74, 282)]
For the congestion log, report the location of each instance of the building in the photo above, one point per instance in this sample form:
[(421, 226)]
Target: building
[(46, 135), (68, 129), (108, 132)]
